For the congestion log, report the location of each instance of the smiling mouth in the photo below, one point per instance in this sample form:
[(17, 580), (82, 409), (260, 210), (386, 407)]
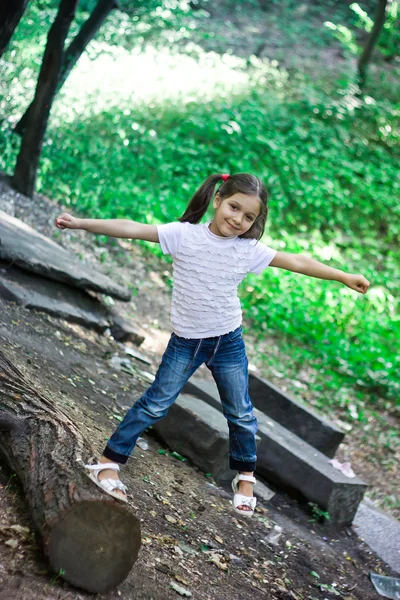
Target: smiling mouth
[(233, 227)]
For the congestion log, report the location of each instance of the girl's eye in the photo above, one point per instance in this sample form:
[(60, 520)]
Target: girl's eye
[(250, 218), (233, 206)]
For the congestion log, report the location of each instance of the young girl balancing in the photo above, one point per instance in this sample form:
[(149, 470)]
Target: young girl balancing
[(209, 261)]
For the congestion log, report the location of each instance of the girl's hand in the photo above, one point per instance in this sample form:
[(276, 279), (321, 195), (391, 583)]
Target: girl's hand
[(66, 221), (356, 282)]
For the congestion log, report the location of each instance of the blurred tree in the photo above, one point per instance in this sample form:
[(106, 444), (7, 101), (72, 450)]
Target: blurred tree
[(10, 16), (365, 56), (24, 177), (204, 5), (56, 66), (71, 56)]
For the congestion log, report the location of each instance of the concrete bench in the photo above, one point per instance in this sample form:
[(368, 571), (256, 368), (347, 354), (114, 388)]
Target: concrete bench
[(198, 431), (315, 430), (304, 422), (287, 460)]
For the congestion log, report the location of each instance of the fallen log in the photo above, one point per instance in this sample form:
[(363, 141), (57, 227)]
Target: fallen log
[(90, 539)]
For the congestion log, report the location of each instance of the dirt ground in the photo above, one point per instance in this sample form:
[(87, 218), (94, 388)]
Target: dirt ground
[(190, 536)]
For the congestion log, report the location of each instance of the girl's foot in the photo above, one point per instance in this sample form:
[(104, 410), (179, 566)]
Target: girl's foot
[(104, 475), (243, 501), (110, 474), (246, 489)]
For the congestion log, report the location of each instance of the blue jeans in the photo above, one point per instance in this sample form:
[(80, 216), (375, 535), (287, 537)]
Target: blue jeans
[(226, 358)]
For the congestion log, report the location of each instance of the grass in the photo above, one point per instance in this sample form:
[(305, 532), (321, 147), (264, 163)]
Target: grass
[(145, 166)]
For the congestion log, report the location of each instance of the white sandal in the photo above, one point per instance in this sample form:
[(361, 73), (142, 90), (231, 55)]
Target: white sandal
[(107, 485), (239, 499)]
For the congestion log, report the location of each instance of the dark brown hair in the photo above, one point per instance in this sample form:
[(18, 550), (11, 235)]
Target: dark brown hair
[(241, 183)]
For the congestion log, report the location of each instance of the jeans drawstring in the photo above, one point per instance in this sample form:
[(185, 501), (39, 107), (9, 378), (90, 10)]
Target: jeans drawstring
[(215, 351), (197, 350)]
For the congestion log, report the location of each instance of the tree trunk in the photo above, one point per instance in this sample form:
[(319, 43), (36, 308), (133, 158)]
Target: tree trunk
[(10, 16), (24, 177), (90, 539), (74, 51), (365, 56)]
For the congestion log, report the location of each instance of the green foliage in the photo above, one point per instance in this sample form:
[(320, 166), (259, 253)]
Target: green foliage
[(60, 573), (318, 514), (389, 42), (330, 164), (389, 39), (344, 35)]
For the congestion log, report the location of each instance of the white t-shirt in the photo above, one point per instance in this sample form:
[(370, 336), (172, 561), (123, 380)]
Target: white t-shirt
[(207, 271)]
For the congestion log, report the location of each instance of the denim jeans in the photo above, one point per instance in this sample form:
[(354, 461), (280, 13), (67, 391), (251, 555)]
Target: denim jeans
[(226, 358)]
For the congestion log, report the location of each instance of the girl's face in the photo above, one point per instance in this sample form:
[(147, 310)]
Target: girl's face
[(234, 215)]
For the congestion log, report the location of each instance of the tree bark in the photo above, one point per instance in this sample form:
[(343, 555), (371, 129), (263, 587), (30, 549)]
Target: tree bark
[(74, 51), (365, 56), (90, 539), (10, 16), (24, 177)]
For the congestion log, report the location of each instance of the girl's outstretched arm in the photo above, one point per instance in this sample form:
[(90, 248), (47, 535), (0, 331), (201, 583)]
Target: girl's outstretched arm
[(119, 228), (308, 266)]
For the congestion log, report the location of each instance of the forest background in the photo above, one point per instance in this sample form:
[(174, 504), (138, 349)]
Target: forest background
[(171, 91)]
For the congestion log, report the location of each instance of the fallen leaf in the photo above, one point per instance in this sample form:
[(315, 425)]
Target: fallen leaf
[(324, 587), (314, 574), (187, 548), (178, 456), (181, 590), (257, 574), (218, 561), (170, 519), (218, 539), (166, 539), (164, 568), (178, 551), (24, 531), (205, 548)]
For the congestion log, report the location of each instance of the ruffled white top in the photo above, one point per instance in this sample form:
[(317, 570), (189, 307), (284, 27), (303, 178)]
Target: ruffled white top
[(207, 271)]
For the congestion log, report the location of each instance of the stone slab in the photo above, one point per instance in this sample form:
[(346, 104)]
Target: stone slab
[(52, 297), (380, 531), (262, 491), (286, 460), (199, 432), (28, 249), (123, 331), (304, 422)]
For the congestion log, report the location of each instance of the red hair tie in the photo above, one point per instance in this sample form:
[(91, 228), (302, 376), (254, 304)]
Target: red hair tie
[(225, 176)]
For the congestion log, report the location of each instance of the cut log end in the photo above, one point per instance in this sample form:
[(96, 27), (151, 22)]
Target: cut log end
[(94, 545)]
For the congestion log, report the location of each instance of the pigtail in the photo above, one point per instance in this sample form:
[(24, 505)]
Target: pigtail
[(242, 183), (200, 202)]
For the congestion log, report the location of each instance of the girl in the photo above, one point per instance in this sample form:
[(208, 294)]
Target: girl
[(209, 261)]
